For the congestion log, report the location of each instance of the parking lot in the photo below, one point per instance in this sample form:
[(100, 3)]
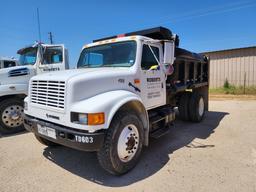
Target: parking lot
[(218, 154)]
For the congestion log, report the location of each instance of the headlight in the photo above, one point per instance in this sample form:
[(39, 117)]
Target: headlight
[(88, 118), (25, 106), (82, 118)]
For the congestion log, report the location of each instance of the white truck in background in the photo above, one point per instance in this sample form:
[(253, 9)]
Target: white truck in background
[(6, 62), (36, 59), (123, 92)]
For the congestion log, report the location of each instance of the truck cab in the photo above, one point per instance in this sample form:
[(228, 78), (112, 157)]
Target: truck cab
[(35, 59), (123, 92), (7, 62)]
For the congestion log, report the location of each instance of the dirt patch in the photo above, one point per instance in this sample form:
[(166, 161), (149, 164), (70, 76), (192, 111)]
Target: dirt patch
[(220, 97), (218, 154)]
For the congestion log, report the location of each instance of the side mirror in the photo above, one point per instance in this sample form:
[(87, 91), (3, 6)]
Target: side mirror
[(169, 48)]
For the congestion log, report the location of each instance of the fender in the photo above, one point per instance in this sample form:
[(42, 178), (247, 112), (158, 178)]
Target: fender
[(110, 103), (13, 89)]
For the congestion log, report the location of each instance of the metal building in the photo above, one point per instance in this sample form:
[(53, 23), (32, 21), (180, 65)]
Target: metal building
[(238, 66)]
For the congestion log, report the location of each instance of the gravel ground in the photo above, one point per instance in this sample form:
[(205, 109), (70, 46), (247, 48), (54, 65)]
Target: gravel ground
[(218, 154)]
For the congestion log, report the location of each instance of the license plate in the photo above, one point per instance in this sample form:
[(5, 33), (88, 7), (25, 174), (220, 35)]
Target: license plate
[(47, 131)]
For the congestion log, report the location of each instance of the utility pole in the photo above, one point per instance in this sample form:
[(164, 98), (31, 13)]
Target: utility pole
[(50, 37), (38, 25)]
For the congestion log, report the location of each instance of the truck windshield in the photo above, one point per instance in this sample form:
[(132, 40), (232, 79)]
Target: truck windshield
[(28, 56), (120, 54)]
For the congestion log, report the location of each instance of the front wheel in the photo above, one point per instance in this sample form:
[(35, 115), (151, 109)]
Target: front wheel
[(123, 144), (11, 120)]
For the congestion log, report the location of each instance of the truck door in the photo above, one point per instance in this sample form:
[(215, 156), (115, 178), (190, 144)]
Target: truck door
[(9, 64), (53, 58), (153, 90)]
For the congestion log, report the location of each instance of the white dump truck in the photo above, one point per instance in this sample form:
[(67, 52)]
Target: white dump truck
[(6, 62), (36, 59), (123, 92)]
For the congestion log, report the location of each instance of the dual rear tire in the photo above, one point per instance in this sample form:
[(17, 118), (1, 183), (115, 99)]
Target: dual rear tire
[(191, 106)]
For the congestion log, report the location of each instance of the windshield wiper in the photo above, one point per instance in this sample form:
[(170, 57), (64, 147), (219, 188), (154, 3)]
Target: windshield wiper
[(83, 66), (107, 65)]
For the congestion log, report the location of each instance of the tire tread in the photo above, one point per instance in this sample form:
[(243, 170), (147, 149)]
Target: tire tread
[(184, 106), (105, 158), (193, 107)]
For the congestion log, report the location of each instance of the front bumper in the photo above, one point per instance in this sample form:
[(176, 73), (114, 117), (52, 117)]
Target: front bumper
[(66, 136)]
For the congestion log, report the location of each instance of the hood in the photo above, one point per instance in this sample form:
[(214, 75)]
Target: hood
[(84, 83), (6, 70), (65, 75), (16, 74)]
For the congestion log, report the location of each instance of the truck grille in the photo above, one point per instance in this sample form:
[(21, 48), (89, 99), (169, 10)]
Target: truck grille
[(48, 93)]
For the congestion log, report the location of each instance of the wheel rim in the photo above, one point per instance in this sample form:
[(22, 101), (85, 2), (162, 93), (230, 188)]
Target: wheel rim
[(12, 116), (128, 143), (201, 106)]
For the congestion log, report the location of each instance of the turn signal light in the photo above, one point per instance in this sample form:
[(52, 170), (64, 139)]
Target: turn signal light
[(96, 118), (137, 81)]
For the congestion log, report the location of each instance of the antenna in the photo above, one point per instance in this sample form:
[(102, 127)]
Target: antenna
[(38, 25), (50, 37)]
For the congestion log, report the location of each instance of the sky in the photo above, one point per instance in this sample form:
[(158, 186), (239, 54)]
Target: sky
[(202, 25)]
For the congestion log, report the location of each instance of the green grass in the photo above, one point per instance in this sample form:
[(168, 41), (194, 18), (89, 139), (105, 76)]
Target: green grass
[(231, 89)]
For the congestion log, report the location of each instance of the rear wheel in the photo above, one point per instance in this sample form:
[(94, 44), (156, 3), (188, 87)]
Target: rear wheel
[(184, 106), (123, 144), (45, 141), (196, 107), (11, 111)]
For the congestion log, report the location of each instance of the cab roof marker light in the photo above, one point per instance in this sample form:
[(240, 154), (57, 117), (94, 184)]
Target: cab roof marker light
[(120, 35), (133, 37)]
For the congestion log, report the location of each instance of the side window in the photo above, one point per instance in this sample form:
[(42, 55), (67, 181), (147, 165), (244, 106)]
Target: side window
[(148, 60), (53, 55), (9, 64)]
